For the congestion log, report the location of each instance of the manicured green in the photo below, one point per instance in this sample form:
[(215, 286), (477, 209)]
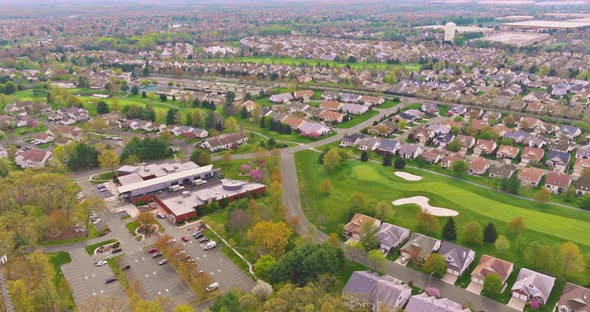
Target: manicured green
[(547, 224), (357, 119), (132, 226), (90, 248), (388, 104), (58, 259)]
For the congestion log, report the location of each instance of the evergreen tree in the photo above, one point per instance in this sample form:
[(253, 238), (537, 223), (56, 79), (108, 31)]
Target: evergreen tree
[(400, 163), (170, 116), (450, 230), (490, 234), (143, 95), (134, 90), (364, 156), (387, 159)]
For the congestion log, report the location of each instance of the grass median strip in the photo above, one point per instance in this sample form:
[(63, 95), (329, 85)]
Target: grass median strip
[(91, 248)]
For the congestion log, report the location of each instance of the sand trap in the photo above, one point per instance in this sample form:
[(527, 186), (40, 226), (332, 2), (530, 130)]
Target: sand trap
[(408, 176), (422, 201)]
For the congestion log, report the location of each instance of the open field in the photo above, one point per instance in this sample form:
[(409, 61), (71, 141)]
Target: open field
[(547, 224)]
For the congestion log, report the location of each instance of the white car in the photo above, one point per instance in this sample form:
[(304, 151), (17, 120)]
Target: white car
[(212, 287), (96, 221), (100, 263), (171, 241)]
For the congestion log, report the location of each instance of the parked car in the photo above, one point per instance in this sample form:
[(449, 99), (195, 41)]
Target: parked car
[(116, 250), (126, 267), (163, 261), (96, 221), (185, 239), (152, 250), (171, 241), (110, 280), (212, 287), (404, 260), (198, 234), (210, 245), (160, 216), (203, 240), (100, 263), (180, 252), (157, 254), (185, 257)]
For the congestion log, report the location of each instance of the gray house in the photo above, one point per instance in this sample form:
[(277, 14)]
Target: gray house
[(369, 289), (391, 236), (458, 257), (504, 171)]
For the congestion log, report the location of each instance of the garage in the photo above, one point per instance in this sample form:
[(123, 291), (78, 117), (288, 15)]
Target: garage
[(451, 271), (477, 281), (519, 296)]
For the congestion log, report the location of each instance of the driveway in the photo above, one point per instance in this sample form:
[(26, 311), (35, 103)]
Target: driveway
[(449, 278), (399, 261), (88, 281), (474, 288), (517, 304)]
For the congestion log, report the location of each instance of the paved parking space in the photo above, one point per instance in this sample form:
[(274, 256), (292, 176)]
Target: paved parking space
[(449, 278), (214, 262), (157, 280), (474, 288), (517, 304), (86, 280)]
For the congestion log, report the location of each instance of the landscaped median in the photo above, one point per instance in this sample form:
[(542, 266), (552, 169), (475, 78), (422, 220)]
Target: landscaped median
[(58, 259), (90, 249)]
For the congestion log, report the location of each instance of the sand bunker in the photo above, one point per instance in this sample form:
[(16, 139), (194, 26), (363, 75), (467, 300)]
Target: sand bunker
[(408, 176), (422, 201)]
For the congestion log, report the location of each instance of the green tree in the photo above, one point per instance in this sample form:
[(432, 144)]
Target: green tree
[(542, 196), (102, 108), (357, 202), (377, 259), (459, 167), (513, 184), (584, 201), (364, 156), (502, 243), (326, 186), (263, 265), (436, 265), (450, 230), (270, 237), (472, 233), (332, 159), (134, 90), (231, 125), (21, 299), (492, 285), (455, 145), (571, 259), (108, 159), (171, 116), (387, 158), (83, 156), (198, 118), (490, 234), (201, 157), (399, 164), (426, 222), (368, 236)]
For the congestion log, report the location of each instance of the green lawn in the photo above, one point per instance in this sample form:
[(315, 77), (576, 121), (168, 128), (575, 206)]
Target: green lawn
[(131, 227), (412, 106), (388, 104), (547, 224), (58, 259), (90, 248), (357, 119)]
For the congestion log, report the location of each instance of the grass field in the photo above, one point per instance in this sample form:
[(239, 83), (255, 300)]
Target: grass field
[(547, 224), (58, 259), (357, 119)]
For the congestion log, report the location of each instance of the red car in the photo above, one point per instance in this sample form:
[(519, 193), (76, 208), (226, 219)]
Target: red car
[(185, 239), (152, 250)]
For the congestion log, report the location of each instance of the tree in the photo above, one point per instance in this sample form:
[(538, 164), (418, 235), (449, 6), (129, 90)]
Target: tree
[(270, 237), (229, 98), (305, 263), (516, 227), (426, 222), (201, 157), (99, 124), (357, 202), (492, 285), (455, 145), (387, 159), (134, 90), (377, 259), (263, 265), (83, 156), (163, 97), (197, 118), (108, 159), (542, 196), (502, 243), (368, 236), (472, 233), (459, 167), (584, 201), (513, 184), (399, 164), (490, 234), (21, 299), (326, 186), (571, 259), (102, 108), (183, 308), (332, 159), (364, 156), (436, 265), (450, 230), (231, 125), (171, 116)]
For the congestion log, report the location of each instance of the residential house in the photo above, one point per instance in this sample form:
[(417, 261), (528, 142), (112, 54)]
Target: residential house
[(458, 258), (388, 146), (369, 144), (366, 289), (3, 151), (304, 95), (385, 128), (583, 185), (292, 121), (457, 110), (504, 171), (536, 96), (516, 136), (574, 298), (329, 95), (569, 132), (530, 176), (528, 123), (479, 166), (557, 182), (433, 155), (425, 303), (429, 108), (580, 165), (42, 138), (371, 100), (419, 247), (331, 116), (448, 160), (443, 139), (583, 152), (488, 265), (331, 105), (423, 135), (494, 116), (411, 115), (532, 286), (561, 145), (467, 141), (224, 141), (33, 158), (350, 97), (410, 151), (353, 229), (558, 160), (501, 130), (478, 125), (73, 113), (250, 105), (535, 141), (351, 140), (507, 152), (391, 236), (532, 155), (71, 133), (281, 98), (313, 129), (485, 147), (354, 109)]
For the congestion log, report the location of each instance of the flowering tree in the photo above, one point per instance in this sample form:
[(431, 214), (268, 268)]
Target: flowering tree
[(255, 175), (535, 305), (245, 168), (431, 291)]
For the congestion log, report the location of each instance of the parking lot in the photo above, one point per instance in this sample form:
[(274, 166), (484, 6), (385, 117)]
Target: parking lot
[(157, 280), (86, 280), (214, 262)]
